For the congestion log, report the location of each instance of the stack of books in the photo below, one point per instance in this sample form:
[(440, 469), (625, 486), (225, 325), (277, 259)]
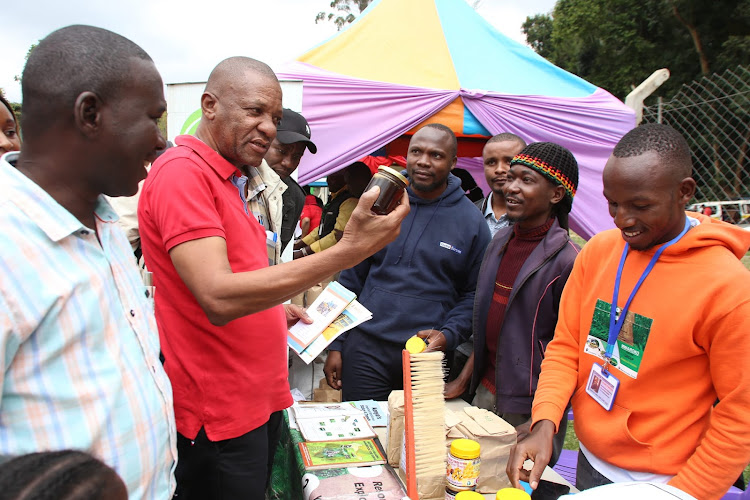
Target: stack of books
[(341, 454)]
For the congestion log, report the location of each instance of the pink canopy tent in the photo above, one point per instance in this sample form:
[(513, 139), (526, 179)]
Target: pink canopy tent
[(403, 64)]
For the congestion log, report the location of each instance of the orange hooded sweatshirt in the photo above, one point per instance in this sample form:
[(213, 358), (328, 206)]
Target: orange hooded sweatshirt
[(697, 351)]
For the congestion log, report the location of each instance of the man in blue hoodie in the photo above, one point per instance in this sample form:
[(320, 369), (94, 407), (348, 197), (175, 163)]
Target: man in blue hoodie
[(423, 283)]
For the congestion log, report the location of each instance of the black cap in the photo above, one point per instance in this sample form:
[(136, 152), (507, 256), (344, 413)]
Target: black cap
[(294, 128)]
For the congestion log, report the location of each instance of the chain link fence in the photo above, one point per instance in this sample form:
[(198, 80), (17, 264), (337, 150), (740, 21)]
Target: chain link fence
[(713, 114)]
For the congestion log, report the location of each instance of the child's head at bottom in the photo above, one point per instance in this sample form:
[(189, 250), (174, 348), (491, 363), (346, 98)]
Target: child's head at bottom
[(60, 475)]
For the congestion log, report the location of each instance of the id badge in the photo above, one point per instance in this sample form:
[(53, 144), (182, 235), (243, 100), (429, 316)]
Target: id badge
[(602, 386), (271, 239)]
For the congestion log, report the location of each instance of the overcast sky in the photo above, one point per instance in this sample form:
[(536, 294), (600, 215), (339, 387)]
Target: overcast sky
[(186, 38)]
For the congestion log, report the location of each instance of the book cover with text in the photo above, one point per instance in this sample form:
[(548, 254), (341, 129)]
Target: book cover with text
[(336, 454)]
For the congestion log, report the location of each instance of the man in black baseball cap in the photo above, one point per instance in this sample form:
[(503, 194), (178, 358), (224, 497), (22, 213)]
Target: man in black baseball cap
[(284, 155)]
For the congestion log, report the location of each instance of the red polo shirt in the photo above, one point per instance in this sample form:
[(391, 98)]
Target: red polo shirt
[(228, 379)]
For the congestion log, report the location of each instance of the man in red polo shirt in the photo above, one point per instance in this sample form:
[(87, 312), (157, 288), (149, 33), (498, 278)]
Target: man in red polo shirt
[(222, 330)]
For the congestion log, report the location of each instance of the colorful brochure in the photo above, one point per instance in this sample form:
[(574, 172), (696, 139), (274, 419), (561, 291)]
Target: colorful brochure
[(337, 454), (326, 308), (354, 315)]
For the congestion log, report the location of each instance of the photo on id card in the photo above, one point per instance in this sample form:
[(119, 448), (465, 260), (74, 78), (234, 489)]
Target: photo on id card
[(602, 386), (631, 342)]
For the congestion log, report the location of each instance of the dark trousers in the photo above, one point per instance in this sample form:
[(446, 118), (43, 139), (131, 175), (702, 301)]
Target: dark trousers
[(232, 469), (371, 367), (586, 476)]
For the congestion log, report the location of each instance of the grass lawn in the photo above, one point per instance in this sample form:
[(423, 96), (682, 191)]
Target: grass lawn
[(571, 441)]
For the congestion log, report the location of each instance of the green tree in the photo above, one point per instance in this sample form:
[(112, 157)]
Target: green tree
[(26, 58), (538, 31), (616, 44), (341, 12), (15, 106)]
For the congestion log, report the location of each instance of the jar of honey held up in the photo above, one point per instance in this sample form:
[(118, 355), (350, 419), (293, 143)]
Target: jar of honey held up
[(463, 464), (392, 185)]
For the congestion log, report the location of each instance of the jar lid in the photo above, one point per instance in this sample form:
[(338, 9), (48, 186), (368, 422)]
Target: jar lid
[(464, 448), (394, 173), (415, 345), (469, 495), (512, 494)]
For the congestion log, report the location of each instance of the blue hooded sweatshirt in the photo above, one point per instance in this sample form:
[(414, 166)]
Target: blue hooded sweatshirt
[(426, 278)]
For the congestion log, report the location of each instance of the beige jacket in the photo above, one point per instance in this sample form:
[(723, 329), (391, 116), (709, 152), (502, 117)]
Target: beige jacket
[(275, 188)]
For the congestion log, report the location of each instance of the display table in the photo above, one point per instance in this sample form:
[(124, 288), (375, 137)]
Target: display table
[(456, 405), (288, 468)]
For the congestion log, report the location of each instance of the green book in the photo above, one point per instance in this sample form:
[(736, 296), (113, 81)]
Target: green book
[(336, 454)]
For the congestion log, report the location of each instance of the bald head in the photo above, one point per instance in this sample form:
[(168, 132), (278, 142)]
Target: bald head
[(241, 111), (233, 69), (68, 62)]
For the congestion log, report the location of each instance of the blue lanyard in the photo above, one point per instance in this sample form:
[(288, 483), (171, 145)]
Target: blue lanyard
[(616, 326)]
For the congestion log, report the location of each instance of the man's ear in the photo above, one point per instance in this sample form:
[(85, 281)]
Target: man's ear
[(453, 163), (686, 190), (558, 193), (87, 113), (208, 105)]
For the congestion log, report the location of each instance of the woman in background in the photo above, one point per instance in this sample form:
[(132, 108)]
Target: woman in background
[(311, 213), (9, 139)]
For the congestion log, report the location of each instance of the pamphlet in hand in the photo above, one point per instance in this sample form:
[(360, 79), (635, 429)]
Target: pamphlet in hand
[(323, 311), (354, 315)]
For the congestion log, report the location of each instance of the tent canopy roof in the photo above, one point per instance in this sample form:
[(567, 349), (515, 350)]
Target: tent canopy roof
[(405, 63), (441, 44)]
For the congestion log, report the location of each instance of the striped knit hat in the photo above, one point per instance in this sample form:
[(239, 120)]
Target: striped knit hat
[(554, 162)]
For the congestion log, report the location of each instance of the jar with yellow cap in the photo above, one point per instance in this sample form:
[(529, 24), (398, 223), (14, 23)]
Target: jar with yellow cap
[(463, 464), (415, 345), (512, 494), (392, 185)]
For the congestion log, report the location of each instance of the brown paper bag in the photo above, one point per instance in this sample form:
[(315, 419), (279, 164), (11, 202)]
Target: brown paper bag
[(395, 428), (324, 393), (495, 437)]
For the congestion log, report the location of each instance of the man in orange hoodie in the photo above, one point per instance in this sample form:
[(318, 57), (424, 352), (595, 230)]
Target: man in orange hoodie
[(645, 373)]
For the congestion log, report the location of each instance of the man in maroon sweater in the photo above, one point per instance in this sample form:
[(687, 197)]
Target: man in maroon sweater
[(520, 282)]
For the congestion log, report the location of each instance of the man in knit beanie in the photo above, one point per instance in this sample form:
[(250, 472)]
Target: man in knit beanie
[(522, 277)]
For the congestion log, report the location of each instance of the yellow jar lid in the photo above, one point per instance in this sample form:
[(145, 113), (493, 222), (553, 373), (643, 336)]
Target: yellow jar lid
[(469, 495), (415, 345), (394, 173), (512, 494), (464, 448)]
